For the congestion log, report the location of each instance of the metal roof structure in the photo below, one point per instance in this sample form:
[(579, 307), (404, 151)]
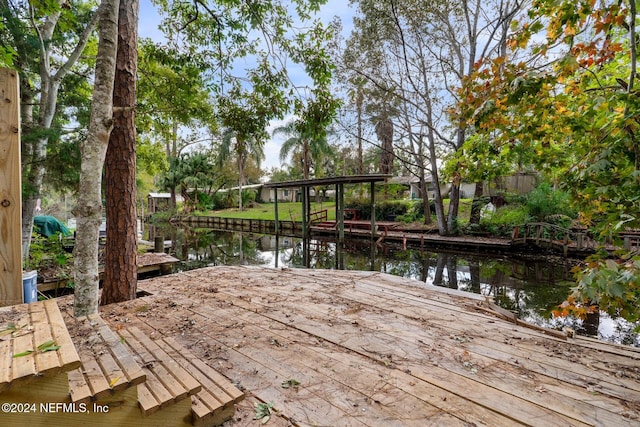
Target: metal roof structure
[(346, 179)]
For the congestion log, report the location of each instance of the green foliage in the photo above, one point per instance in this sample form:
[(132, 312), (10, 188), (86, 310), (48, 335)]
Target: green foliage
[(49, 254), (575, 121), (248, 196), (263, 412), (414, 212), (544, 201), (502, 222), (189, 172), (392, 191), (613, 286), (385, 211), (290, 383)]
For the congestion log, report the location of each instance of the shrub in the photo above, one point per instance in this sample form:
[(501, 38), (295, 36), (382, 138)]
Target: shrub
[(414, 212), (505, 219), (384, 211), (545, 202)]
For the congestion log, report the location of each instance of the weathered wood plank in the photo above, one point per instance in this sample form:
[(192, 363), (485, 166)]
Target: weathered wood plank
[(79, 389), (47, 363), (67, 352), (5, 364), (224, 391), (10, 190), (95, 378), (320, 310), (24, 360), (475, 391), (213, 405), (167, 382), (107, 368), (570, 372), (361, 374), (378, 352), (183, 384)]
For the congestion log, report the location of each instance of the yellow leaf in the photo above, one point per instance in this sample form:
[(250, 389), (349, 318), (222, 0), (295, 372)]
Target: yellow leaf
[(114, 381)]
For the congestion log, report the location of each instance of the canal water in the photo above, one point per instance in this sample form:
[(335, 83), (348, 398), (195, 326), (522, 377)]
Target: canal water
[(529, 286)]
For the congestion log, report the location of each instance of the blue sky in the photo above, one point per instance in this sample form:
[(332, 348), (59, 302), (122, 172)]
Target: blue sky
[(149, 22)]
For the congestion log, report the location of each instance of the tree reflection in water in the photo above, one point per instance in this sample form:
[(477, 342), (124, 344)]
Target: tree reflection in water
[(529, 287)]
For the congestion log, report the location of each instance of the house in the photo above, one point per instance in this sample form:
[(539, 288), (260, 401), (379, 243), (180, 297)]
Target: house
[(518, 183)]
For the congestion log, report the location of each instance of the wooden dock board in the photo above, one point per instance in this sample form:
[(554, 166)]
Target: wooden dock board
[(34, 344), (371, 349), (107, 367), (167, 382)]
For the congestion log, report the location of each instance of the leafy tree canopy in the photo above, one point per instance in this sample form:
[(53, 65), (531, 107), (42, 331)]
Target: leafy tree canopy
[(565, 100)]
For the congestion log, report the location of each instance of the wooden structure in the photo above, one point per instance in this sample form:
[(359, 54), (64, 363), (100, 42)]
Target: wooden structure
[(631, 240), (339, 182), (148, 263), (543, 234), (160, 202), (285, 228), (369, 349), (10, 190), (27, 355), (82, 373)]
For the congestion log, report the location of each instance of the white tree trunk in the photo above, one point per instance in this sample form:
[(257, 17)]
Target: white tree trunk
[(89, 210), (49, 86)]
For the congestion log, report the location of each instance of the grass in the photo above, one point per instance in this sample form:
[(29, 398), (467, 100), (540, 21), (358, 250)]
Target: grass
[(293, 210), (265, 211)]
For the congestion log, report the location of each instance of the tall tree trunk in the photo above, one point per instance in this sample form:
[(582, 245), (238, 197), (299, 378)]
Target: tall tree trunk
[(172, 153), (454, 196), (435, 179), (384, 132), (424, 192), (306, 159), (359, 103), (476, 205), (34, 168), (240, 179), (93, 149), (120, 261)]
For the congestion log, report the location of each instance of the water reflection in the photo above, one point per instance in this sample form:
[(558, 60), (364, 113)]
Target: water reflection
[(531, 288)]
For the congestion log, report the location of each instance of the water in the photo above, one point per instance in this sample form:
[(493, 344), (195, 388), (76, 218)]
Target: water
[(528, 286)]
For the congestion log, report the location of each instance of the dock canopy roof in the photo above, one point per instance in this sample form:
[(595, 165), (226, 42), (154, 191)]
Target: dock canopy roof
[(348, 179)]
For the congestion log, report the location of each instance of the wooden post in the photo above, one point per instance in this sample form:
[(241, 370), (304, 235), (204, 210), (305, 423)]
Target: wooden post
[(340, 213), (304, 212), (373, 208), (10, 191), (277, 224), (158, 244)]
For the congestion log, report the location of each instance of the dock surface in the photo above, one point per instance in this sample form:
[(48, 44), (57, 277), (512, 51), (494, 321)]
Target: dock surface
[(349, 348)]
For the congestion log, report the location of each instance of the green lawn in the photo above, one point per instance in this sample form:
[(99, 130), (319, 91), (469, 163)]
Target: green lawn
[(286, 211)]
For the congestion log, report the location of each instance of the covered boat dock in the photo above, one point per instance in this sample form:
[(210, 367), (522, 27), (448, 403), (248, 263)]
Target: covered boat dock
[(339, 181)]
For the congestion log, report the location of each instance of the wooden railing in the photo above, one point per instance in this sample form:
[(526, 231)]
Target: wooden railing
[(551, 235), (631, 240), (318, 216), (243, 224)]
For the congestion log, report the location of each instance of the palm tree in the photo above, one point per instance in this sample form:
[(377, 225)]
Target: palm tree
[(243, 147), (311, 149)]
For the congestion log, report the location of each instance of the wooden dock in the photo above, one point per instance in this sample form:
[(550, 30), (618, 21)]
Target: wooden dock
[(148, 263), (348, 348)]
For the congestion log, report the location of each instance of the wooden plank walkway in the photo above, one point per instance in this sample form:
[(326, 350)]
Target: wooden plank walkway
[(371, 349)]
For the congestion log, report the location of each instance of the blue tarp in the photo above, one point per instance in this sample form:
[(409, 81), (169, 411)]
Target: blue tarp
[(47, 226)]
